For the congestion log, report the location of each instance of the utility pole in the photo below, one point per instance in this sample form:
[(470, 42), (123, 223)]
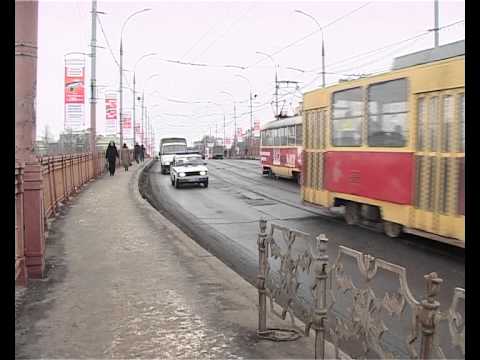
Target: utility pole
[(235, 120), (251, 124), (276, 93), (224, 139), (134, 138), (121, 96), (93, 89), (435, 29), (143, 123)]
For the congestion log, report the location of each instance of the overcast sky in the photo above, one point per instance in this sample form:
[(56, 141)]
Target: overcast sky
[(226, 33)]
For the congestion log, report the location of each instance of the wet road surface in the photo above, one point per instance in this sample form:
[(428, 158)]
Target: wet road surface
[(224, 219)]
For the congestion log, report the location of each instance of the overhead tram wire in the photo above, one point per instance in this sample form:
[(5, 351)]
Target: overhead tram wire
[(310, 34), (107, 42), (375, 60), (199, 40), (226, 31), (384, 47)]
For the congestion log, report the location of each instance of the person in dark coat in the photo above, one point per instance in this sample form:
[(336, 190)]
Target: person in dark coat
[(136, 152), (111, 155), (142, 153)]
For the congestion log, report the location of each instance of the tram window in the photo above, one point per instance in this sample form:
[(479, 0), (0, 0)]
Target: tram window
[(420, 124), (387, 114), (433, 123), (298, 134), (291, 135), (448, 116), (347, 117), (462, 122), (281, 136), (276, 137)]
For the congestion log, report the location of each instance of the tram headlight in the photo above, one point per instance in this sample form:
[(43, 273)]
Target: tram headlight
[(182, 174), (203, 173)]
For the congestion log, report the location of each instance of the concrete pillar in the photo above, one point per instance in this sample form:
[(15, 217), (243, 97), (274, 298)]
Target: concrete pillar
[(26, 23)]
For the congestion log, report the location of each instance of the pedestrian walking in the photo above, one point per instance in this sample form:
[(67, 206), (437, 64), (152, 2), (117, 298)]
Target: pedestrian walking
[(142, 153), (136, 152), (125, 157), (111, 155)]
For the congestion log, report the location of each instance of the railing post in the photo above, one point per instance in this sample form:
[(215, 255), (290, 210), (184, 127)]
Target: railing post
[(64, 178), (50, 187), (428, 314), (33, 218), (262, 267), (20, 267), (320, 269), (54, 184)]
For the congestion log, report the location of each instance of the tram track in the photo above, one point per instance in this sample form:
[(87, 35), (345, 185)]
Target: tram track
[(263, 183)]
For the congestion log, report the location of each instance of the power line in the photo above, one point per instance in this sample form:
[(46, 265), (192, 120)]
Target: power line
[(388, 55), (226, 31), (107, 42), (308, 35), (199, 40)]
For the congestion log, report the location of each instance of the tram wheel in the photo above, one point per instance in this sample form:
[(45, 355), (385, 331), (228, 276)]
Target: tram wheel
[(352, 213), (392, 229)]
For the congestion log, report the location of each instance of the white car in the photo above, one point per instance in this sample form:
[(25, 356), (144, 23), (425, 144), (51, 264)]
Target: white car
[(188, 168)]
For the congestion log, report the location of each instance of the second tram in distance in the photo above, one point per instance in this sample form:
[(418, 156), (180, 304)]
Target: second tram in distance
[(281, 150)]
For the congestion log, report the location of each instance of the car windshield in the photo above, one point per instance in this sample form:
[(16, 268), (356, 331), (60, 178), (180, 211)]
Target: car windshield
[(174, 149), (190, 161)]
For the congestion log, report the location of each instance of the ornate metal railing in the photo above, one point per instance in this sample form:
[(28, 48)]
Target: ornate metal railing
[(360, 304)]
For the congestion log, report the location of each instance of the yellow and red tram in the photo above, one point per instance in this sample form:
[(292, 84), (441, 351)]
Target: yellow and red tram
[(390, 148)]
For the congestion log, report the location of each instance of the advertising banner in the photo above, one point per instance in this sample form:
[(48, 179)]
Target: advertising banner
[(127, 128), (74, 92), (111, 113), (127, 121)]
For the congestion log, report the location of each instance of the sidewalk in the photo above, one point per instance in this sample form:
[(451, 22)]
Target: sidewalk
[(123, 282)]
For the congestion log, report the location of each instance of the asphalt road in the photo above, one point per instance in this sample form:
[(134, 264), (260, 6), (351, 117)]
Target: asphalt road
[(224, 219)]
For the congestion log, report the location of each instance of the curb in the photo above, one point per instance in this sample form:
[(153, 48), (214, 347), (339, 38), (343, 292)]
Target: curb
[(134, 186)]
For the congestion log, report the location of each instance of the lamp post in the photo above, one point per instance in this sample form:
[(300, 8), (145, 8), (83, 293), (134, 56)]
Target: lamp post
[(276, 79), (121, 70), (134, 93), (143, 104), (251, 111), (234, 116), (323, 44)]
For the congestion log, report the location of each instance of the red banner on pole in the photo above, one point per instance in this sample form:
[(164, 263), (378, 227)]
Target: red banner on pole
[(111, 113), (127, 121), (74, 94)]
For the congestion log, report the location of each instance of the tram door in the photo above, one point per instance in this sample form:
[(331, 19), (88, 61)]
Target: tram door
[(439, 161)]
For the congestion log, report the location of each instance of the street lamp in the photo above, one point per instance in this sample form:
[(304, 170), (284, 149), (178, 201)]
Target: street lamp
[(234, 116), (323, 46), (276, 80), (121, 69), (134, 94), (143, 104), (223, 111), (251, 111)]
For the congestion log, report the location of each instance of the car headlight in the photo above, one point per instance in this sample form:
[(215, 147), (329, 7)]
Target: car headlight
[(182, 174), (203, 173)]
